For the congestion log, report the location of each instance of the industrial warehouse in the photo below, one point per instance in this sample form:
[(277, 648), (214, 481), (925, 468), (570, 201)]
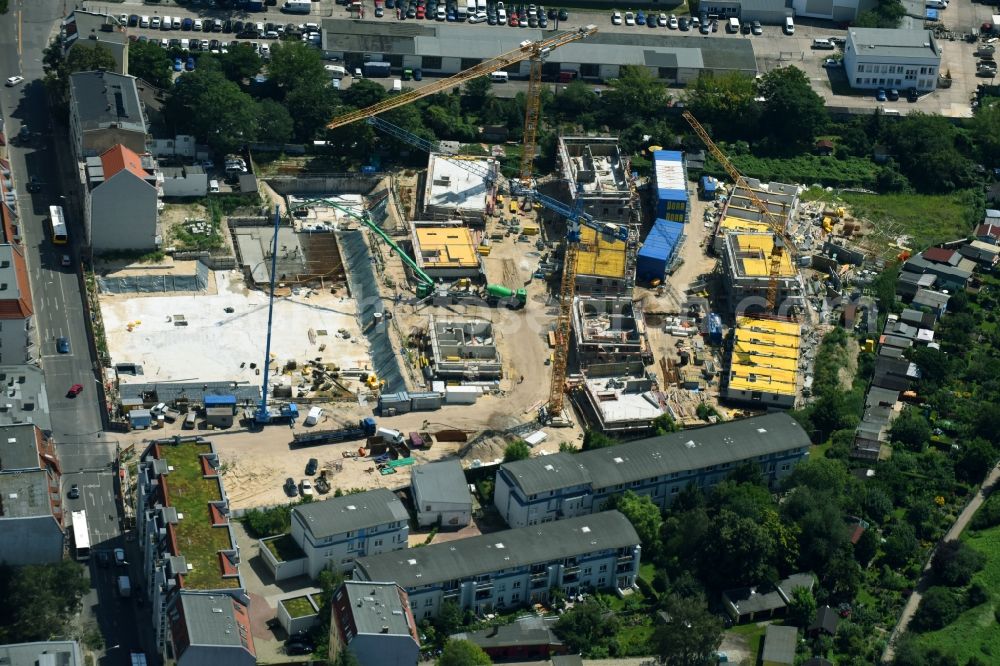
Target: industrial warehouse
[(445, 49)]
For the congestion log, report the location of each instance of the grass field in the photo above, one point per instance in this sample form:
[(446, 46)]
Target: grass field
[(926, 218), (976, 632)]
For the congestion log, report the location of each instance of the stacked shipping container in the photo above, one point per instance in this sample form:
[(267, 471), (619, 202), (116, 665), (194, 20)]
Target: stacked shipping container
[(659, 249), (670, 179)]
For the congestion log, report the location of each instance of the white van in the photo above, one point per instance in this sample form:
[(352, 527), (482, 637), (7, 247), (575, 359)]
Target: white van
[(335, 71), (176, 23), (480, 5), (166, 23), (734, 25), (936, 4), (397, 85), (470, 7), (144, 22), (789, 26), (499, 77), (313, 417), (213, 186), (823, 45)]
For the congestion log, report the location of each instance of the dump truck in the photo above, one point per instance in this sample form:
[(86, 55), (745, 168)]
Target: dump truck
[(365, 428)]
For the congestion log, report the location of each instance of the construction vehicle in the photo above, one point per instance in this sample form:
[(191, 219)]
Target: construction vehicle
[(781, 241), (365, 428), (515, 298)]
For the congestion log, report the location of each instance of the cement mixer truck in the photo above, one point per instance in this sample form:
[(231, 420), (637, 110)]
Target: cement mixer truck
[(497, 294)]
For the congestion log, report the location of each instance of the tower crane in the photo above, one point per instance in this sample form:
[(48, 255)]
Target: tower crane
[(527, 50), (776, 224)]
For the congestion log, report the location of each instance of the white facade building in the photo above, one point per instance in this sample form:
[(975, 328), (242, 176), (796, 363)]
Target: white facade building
[(336, 531), (441, 494), (892, 58)]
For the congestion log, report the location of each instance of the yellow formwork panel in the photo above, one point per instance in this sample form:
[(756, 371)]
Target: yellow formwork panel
[(766, 340), (768, 350), (600, 257), (447, 247), (768, 325), (761, 245), (730, 224), (762, 382)]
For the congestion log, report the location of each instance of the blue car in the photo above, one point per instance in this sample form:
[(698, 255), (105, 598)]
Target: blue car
[(880, 95), (62, 345), (640, 18), (178, 66), (189, 65), (452, 16)]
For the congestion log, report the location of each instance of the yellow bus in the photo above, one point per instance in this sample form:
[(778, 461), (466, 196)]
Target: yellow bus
[(57, 225)]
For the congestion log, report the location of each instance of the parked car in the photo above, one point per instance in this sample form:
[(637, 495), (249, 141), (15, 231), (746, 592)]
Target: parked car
[(640, 18), (831, 63), (756, 28), (912, 95), (133, 21), (893, 94), (189, 65), (629, 18), (306, 488), (120, 557), (880, 95), (74, 492), (705, 27), (14, 80), (66, 261), (312, 466), (178, 65), (62, 345), (563, 15), (34, 185), (187, 24), (683, 24), (290, 488), (672, 22), (74, 390), (299, 644)]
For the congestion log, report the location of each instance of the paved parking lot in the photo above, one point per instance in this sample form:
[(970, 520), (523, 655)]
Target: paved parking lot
[(773, 49)]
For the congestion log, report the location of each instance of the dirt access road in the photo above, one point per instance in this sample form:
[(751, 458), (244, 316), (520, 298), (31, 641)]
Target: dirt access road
[(925, 578)]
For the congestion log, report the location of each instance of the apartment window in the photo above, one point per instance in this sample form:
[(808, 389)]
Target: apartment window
[(516, 585), (587, 571), (784, 468), (427, 614), (428, 603), (673, 491), (413, 605), (601, 581), (603, 568), (514, 598), (378, 542)]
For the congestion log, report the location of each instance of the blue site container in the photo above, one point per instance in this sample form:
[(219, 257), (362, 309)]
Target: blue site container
[(658, 249), (220, 401)]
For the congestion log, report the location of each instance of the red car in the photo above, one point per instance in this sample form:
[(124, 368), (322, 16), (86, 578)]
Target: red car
[(75, 390), (421, 12), (513, 21)]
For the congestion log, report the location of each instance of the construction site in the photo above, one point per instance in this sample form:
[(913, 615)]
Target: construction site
[(394, 320)]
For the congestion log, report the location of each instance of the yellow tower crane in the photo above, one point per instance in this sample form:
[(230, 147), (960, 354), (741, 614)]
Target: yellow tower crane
[(777, 225), (535, 51)]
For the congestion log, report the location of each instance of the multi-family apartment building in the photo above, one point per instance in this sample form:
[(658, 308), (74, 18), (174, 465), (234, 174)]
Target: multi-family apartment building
[(375, 623), (188, 547), (563, 485), (31, 511), (513, 568)]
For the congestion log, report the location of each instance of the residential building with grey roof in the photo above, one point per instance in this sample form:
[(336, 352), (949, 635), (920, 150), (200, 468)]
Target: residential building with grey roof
[(209, 629), (565, 485), (31, 511), (891, 58), (42, 653), (337, 531), (515, 567), (441, 494), (83, 29), (374, 622), (105, 110), (441, 48)]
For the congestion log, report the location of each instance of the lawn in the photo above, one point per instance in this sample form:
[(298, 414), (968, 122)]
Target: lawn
[(975, 632), (298, 607), (926, 218), (284, 548), (198, 541), (754, 635)]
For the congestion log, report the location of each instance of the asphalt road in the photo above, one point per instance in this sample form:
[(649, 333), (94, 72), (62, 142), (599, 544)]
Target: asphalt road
[(76, 423), (24, 32)]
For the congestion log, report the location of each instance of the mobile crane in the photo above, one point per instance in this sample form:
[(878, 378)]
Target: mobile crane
[(781, 243)]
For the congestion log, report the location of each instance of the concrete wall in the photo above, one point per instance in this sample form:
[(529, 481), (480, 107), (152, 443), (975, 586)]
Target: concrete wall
[(189, 185), (450, 515), (325, 184), (183, 145), (123, 214), (297, 624), (98, 141), (281, 569)]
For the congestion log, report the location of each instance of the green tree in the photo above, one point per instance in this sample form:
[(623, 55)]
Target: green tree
[(516, 450), (802, 607), (727, 103), (463, 653), (294, 65), (737, 551), (274, 121), (818, 474), (867, 547), (911, 430), (346, 658), (955, 562), (595, 439), (885, 14), (81, 58), (575, 100), (214, 110), (149, 62), (449, 618), (586, 626), (900, 544), (39, 601), (939, 607), (240, 64), (935, 367), (634, 97), (975, 459), (926, 147), (985, 126), (273, 521), (644, 516), (692, 634), (788, 94), (314, 107), (476, 93), (663, 424)]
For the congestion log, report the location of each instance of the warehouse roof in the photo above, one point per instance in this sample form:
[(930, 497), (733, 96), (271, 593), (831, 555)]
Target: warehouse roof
[(465, 41), (604, 258), (440, 482), (658, 456), (350, 513), (892, 42), (439, 562)]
